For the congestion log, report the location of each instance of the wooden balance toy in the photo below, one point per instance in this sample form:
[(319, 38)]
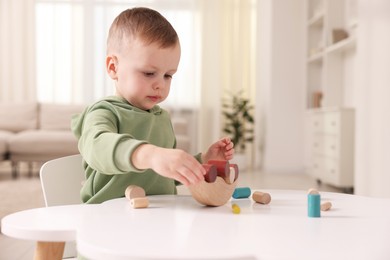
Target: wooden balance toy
[(219, 183)]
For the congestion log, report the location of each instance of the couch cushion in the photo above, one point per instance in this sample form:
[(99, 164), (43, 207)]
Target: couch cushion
[(57, 116), (18, 117), (43, 142)]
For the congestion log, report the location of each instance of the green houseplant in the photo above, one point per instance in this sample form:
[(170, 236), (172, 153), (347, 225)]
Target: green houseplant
[(238, 124)]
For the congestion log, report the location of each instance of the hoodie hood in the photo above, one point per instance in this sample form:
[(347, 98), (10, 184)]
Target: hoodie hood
[(113, 103)]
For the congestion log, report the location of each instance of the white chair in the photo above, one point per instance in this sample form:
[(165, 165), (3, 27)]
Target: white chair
[(61, 181)]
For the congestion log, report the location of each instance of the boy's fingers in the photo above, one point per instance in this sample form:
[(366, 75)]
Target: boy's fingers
[(180, 178), (192, 176), (196, 167), (229, 152), (228, 143), (189, 173), (187, 176)]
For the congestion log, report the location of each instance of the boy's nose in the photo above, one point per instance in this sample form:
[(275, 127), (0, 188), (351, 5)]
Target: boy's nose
[(159, 84), (156, 86)]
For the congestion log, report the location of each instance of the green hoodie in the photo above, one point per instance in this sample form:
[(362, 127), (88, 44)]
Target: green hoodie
[(108, 133)]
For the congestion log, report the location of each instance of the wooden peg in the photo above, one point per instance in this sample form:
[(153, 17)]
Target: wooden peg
[(242, 193), (236, 209), (133, 191), (312, 191), (326, 206), (139, 203), (313, 205), (225, 170), (261, 197), (211, 173), (233, 173), (222, 166)]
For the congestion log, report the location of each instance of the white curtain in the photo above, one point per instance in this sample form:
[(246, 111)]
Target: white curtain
[(372, 153), (228, 63), (17, 51)]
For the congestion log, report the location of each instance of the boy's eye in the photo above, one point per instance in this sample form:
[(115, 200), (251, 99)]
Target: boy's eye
[(168, 76), (149, 74)]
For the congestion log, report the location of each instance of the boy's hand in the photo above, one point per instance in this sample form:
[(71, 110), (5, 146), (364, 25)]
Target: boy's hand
[(172, 163), (221, 150)]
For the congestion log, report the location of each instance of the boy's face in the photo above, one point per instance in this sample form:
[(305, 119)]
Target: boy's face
[(143, 73)]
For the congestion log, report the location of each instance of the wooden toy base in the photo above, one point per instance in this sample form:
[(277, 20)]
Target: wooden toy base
[(213, 194)]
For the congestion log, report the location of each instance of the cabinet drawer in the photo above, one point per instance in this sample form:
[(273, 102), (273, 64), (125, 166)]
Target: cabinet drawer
[(325, 145), (315, 167), (331, 170), (331, 123), (331, 146), (317, 145), (315, 123), (325, 169), (327, 123)]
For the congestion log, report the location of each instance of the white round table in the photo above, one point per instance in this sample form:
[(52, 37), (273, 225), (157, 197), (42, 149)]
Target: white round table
[(177, 227)]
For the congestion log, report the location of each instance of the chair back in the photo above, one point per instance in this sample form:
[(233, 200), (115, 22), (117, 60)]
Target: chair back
[(61, 180)]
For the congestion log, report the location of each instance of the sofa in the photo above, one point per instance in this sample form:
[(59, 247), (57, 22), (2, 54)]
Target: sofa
[(38, 132)]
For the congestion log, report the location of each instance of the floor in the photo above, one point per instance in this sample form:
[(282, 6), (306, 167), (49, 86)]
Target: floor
[(22, 250)]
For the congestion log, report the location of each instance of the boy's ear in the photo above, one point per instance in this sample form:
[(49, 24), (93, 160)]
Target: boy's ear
[(112, 66)]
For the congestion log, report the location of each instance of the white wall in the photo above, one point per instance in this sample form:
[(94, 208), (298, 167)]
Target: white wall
[(281, 84), (372, 154)]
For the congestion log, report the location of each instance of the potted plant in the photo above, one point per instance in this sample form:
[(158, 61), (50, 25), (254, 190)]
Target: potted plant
[(238, 122)]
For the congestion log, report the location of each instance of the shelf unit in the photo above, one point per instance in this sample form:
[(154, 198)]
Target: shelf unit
[(329, 52), (330, 62)]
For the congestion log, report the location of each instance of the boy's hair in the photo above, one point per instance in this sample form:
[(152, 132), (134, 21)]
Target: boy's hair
[(147, 24)]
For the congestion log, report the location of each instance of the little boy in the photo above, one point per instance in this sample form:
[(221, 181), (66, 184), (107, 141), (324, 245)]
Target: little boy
[(127, 138)]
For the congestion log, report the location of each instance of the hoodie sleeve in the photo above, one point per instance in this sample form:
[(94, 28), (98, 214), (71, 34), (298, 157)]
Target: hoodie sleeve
[(100, 144)]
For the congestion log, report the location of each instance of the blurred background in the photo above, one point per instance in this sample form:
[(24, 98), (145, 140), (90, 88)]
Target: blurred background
[(314, 74)]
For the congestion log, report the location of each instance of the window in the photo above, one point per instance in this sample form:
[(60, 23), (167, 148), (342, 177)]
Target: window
[(71, 47)]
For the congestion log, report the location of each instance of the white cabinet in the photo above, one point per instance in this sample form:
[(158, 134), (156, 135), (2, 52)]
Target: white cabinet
[(330, 146), (330, 81)]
